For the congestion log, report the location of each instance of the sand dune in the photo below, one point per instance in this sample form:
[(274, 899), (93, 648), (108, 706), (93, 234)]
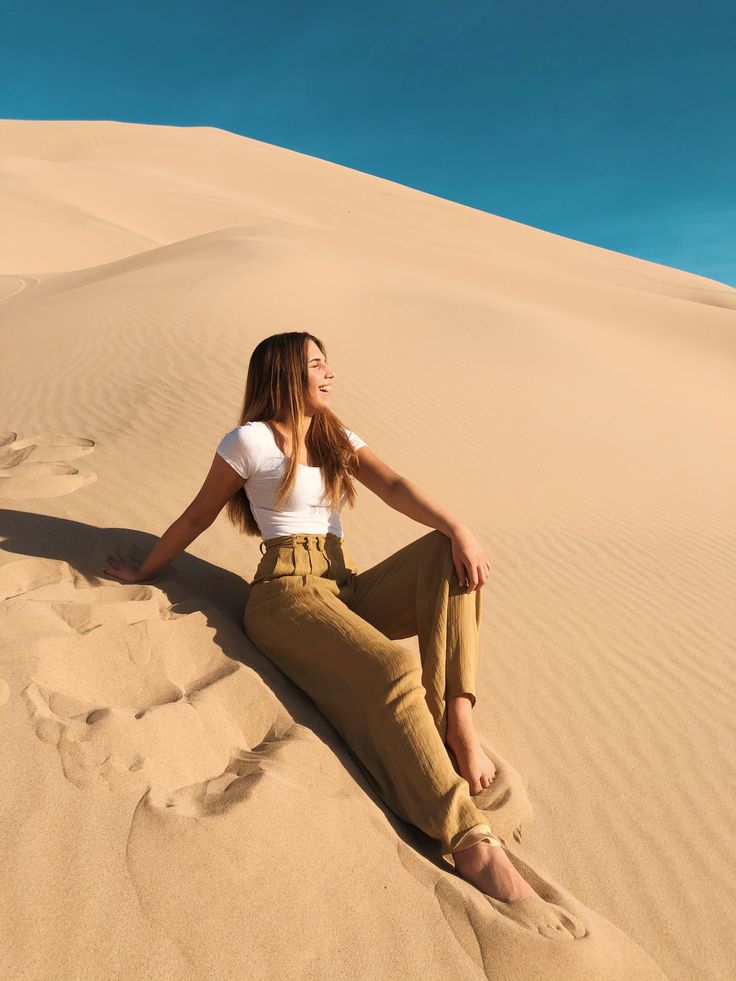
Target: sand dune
[(172, 805)]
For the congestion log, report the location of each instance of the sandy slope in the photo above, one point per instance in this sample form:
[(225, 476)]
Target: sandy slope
[(172, 806)]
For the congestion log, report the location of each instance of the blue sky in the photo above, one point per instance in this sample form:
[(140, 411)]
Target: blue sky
[(610, 124)]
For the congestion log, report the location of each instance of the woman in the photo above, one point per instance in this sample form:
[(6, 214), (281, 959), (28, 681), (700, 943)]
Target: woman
[(284, 474)]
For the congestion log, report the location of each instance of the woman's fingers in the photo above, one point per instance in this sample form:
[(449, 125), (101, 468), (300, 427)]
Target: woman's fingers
[(119, 562), (479, 577), (474, 575), (482, 574), (119, 567), (463, 577)]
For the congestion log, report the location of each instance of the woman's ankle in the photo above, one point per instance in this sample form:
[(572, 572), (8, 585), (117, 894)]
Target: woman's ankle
[(478, 854), (459, 716), (460, 735)]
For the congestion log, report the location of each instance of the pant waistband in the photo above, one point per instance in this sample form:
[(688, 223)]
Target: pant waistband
[(316, 540)]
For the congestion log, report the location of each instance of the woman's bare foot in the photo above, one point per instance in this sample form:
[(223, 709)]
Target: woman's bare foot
[(489, 868), (473, 763)]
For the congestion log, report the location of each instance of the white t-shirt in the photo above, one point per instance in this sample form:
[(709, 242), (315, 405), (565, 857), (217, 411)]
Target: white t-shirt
[(252, 452)]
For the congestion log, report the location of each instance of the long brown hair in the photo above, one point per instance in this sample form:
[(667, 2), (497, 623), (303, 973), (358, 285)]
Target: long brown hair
[(274, 389)]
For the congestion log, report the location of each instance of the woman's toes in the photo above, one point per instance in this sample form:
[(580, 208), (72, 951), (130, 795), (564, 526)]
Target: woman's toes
[(573, 924), (474, 764), (489, 773), (547, 918), (552, 933)]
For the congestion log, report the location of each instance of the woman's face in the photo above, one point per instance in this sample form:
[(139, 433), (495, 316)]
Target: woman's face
[(320, 377)]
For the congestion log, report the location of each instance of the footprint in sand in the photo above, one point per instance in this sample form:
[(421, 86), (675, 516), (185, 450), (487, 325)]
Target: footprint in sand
[(128, 691), (38, 465)]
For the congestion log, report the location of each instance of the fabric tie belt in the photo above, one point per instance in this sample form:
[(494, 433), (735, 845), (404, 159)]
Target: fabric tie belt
[(287, 540)]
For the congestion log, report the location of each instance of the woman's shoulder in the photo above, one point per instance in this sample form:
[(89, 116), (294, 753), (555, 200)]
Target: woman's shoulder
[(252, 431), (355, 441), (242, 447)]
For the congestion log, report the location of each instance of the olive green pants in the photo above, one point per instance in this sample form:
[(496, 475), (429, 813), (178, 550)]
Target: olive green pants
[(332, 630)]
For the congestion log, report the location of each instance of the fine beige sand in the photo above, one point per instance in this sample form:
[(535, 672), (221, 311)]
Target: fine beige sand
[(172, 806)]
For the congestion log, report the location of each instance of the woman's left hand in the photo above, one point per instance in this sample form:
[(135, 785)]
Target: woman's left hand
[(471, 562), (123, 569)]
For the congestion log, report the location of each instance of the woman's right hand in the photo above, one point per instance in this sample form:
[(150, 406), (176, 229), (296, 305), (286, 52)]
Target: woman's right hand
[(123, 569)]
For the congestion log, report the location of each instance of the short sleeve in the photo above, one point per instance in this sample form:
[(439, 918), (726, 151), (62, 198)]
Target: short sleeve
[(241, 449), (355, 440)]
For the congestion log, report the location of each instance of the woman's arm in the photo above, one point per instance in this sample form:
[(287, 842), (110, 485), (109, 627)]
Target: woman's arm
[(173, 541), (406, 497), (471, 563), (219, 486)]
